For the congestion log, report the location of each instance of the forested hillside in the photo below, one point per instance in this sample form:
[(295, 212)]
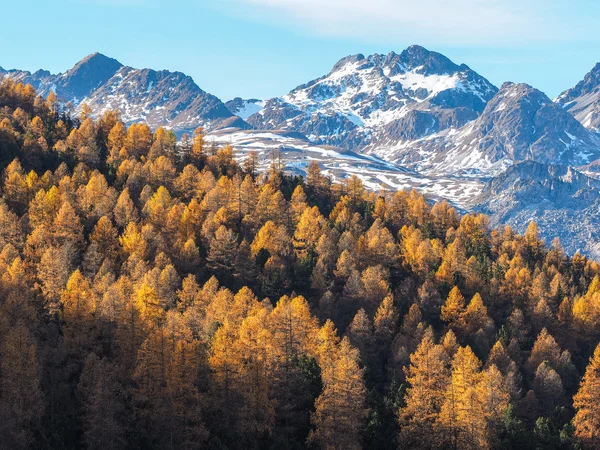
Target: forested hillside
[(156, 294)]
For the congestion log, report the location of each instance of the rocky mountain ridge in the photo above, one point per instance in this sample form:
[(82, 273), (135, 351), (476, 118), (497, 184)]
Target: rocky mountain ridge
[(160, 98)]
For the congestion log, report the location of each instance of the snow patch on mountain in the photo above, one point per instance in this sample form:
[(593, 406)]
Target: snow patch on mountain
[(160, 98), (245, 108), (339, 164)]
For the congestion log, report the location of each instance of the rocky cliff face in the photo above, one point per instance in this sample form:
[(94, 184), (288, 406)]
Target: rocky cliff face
[(564, 203), (160, 98), (76, 83)]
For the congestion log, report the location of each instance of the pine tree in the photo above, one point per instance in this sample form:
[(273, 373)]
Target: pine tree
[(548, 388), (493, 398), (223, 247), (78, 305), (454, 309), (103, 399), (55, 268), (88, 151), (67, 226), (138, 139), (166, 398), (149, 305), (375, 287), (292, 327), (461, 418), (298, 204), (198, 144), (475, 316), (386, 319), (360, 333), (308, 231), (545, 348), (272, 238), (257, 411), (223, 360), (450, 344), (125, 210)]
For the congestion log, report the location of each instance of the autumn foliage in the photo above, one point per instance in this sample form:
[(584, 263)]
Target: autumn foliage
[(156, 294)]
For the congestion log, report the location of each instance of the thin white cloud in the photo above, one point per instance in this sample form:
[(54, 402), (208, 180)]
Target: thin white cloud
[(474, 22)]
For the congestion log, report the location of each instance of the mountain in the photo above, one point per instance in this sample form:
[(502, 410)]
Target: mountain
[(398, 121), (244, 108), (160, 98), (75, 84), (41, 80), (519, 123), (583, 100), (86, 76), (380, 98), (564, 203)]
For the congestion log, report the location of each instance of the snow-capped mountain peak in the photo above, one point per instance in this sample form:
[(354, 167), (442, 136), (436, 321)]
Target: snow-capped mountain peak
[(368, 99)]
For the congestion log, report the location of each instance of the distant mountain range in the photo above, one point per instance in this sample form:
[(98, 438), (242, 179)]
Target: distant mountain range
[(413, 119)]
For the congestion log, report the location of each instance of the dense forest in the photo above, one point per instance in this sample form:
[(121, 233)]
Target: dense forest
[(156, 294)]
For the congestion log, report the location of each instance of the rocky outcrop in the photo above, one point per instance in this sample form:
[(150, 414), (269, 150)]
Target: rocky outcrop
[(564, 203), (583, 100)]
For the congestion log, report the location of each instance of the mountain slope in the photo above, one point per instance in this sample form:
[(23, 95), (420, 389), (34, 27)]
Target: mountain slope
[(86, 76), (562, 201), (338, 164), (519, 123), (583, 100), (380, 97)]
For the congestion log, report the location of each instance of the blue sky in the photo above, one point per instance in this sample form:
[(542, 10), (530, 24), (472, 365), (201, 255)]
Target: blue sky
[(264, 48)]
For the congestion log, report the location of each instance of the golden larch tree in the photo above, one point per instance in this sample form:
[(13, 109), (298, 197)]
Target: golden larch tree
[(587, 404)]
